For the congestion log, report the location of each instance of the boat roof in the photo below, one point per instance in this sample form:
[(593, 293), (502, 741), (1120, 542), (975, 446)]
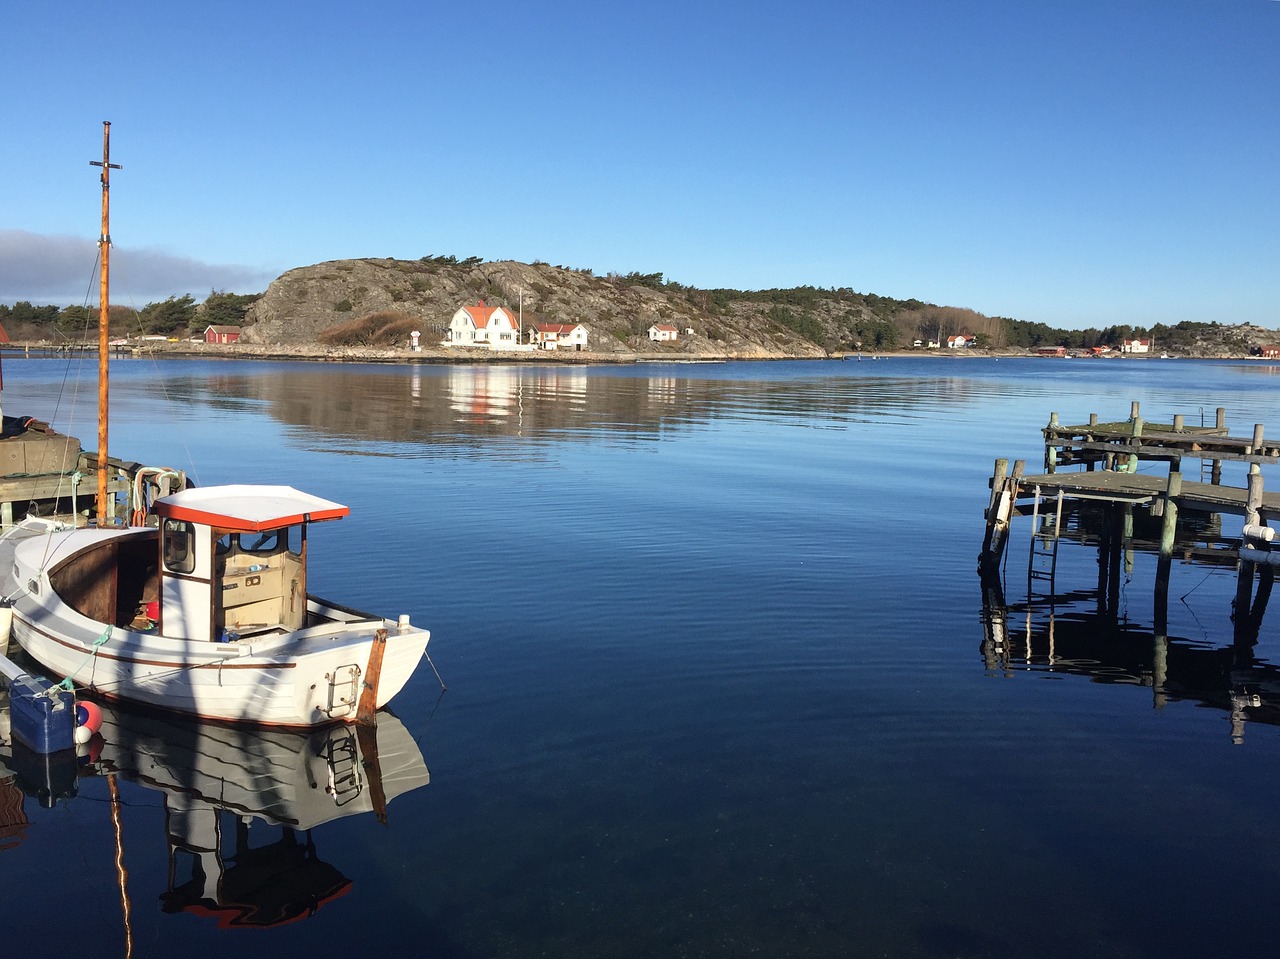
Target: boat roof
[(247, 508)]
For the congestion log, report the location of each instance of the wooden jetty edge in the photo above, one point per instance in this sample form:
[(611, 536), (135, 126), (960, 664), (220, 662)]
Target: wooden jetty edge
[(1097, 462)]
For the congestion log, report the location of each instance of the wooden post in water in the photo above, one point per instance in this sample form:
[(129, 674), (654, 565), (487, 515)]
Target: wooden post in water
[(997, 483), (1135, 441), (1159, 670), (1215, 472), (999, 514), (1168, 528), (1050, 449), (1253, 514), (1128, 539), (1104, 550)]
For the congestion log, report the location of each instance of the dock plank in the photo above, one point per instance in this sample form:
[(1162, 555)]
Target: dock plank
[(1145, 487)]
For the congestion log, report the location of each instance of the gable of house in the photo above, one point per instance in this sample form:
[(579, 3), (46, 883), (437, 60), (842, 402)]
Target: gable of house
[(491, 326)]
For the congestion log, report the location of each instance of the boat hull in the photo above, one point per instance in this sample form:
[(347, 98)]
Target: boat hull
[(300, 678)]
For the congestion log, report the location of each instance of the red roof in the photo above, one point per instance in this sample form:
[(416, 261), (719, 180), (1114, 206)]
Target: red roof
[(481, 314), (555, 327)]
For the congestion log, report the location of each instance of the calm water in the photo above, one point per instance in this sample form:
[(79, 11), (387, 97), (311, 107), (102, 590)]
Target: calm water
[(713, 642)]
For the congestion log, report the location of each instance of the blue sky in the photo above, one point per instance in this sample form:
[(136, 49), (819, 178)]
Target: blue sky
[(1078, 164)]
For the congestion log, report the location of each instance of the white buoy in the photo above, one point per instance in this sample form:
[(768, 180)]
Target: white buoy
[(1258, 533)]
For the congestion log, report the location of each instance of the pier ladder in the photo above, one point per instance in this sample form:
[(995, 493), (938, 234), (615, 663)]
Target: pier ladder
[(1046, 532)]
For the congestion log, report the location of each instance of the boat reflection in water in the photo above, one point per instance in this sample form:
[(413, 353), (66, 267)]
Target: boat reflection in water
[(1075, 634), (218, 780)]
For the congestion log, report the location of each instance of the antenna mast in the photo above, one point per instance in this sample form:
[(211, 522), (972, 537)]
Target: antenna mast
[(104, 311)]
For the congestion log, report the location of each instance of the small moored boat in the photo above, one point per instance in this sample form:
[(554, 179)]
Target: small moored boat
[(209, 613)]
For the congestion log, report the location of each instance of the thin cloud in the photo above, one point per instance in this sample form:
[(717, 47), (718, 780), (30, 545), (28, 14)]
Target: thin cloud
[(62, 270)]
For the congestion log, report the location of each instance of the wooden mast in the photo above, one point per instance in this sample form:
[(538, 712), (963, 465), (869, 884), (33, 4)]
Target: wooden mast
[(104, 308)]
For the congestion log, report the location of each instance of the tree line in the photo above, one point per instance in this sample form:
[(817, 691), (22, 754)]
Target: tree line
[(178, 316)]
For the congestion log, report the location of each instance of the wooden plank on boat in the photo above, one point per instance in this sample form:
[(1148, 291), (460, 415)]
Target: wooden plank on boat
[(365, 712)]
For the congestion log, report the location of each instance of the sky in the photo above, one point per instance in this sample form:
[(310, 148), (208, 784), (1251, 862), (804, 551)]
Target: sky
[(1080, 164)]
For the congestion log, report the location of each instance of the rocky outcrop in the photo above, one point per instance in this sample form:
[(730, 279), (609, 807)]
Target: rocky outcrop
[(304, 303)]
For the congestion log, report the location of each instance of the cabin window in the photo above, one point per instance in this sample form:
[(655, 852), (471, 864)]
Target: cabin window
[(271, 541), (179, 540)]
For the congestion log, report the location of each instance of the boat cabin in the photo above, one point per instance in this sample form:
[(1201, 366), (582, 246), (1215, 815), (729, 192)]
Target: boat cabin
[(233, 560)]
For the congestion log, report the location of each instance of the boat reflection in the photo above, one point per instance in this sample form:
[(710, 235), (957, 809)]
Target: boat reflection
[(1075, 634), (218, 781)]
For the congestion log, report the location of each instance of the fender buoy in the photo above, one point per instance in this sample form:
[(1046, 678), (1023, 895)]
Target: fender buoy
[(88, 715), (6, 624)]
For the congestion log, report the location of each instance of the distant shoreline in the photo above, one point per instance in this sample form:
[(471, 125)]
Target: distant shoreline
[(469, 357)]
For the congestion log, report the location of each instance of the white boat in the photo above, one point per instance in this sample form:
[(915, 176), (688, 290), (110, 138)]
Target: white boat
[(207, 611)]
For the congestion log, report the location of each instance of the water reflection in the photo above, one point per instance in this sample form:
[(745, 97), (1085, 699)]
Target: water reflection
[(424, 411), (1076, 634), (240, 805)]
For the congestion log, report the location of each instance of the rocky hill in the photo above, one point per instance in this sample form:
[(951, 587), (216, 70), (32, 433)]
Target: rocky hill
[(376, 302)]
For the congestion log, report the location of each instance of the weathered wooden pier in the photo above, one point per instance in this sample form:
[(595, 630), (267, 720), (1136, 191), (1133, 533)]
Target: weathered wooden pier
[(1097, 463)]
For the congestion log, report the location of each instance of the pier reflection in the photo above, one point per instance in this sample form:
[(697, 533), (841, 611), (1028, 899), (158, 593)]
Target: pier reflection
[(1077, 634), (241, 805)]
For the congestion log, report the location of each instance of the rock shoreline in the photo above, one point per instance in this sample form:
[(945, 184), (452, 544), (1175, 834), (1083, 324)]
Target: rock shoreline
[(315, 352)]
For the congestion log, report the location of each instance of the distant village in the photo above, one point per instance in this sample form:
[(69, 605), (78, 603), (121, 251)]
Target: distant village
[(487, 327), (500, 329), (494, 328), (963, 341)]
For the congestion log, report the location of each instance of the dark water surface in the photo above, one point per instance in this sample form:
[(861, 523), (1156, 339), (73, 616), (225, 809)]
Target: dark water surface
[(713, 642)]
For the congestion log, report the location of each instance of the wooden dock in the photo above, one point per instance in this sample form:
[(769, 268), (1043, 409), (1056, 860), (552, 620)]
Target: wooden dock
[(1097, 463)]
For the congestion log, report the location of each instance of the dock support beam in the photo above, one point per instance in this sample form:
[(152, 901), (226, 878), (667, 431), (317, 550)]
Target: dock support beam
[(1247, 611), (1168, 529), (1004, 494)]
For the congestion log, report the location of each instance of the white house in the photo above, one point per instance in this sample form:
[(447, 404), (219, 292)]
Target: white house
[(661, 332), (1135, 346), (959, 341), (480, 325), (554, 336)]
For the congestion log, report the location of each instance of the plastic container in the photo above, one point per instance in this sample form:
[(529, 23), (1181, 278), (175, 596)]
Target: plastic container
[(43, 715)]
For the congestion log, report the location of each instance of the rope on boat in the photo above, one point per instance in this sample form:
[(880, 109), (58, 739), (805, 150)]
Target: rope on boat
[(427, 656), (66, 683)]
